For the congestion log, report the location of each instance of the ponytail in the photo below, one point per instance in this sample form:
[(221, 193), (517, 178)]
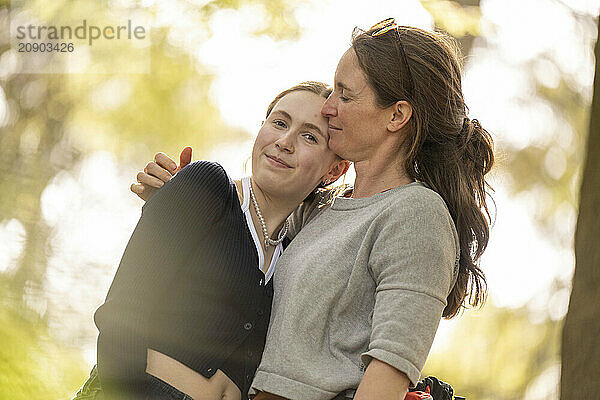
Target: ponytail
[(470, 212)]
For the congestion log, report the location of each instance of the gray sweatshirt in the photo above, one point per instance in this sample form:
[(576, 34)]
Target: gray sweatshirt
[(364, 278)]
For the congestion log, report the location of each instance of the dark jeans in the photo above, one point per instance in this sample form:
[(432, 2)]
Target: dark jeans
[(160, 390), (156, 389)]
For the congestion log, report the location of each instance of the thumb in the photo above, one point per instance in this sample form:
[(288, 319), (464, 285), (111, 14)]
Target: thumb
[(185, 157)]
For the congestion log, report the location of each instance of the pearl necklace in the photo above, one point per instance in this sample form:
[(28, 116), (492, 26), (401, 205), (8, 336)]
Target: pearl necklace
[(268, 240)]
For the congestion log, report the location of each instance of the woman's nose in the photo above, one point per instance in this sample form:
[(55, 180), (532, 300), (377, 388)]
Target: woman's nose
[(328, 110), (284, 143)]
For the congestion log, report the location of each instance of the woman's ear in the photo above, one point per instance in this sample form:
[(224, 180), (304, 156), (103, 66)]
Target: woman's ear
[(338, 169), (402, 111)]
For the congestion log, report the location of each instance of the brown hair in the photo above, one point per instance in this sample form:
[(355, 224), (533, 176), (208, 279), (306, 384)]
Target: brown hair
[(320, 89), (443, 148)]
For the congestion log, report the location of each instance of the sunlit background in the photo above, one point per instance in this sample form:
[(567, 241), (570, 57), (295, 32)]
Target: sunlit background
[(71, 145)]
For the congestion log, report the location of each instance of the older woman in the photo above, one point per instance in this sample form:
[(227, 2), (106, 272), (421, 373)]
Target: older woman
[(360, 290)]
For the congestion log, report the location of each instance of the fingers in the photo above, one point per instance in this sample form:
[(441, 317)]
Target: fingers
[(137, 188), (143, 191), (165, 162), (149, 180), (155, 174), (157, 171), (140, 190)]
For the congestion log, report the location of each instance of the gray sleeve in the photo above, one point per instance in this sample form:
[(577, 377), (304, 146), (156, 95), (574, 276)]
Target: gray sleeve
[(412, 263)]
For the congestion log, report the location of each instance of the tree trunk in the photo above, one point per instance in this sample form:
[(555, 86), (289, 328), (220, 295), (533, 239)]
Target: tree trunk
[(581, 333)]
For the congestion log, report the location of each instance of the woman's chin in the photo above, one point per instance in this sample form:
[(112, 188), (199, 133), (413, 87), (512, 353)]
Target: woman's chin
[(335, 144)]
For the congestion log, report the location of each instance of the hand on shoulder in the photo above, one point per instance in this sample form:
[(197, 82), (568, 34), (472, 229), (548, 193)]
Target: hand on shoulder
[(156, 173)]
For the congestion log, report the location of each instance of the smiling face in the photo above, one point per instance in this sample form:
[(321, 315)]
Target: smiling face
[(291, 154), (357, 125)]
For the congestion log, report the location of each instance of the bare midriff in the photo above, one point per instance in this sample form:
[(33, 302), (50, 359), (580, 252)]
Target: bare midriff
[(190, 382), (268, 396)]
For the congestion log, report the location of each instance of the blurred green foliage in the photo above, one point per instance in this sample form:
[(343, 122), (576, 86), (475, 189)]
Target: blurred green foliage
[(554, 165), (32, 364), (495, 353), (54, 121)]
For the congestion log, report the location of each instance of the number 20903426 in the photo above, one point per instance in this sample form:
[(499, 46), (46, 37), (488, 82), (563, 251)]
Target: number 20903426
[(46, 47)]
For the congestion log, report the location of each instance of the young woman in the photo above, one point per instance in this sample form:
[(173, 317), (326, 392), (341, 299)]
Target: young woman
[(187, 312), (360, 290)]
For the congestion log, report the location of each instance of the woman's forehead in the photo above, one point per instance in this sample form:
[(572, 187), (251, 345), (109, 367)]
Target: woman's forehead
[(348, 74), (300, 102), (302, 107)]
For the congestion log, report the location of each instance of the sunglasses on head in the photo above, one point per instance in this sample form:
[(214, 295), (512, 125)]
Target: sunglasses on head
[(389, 25)]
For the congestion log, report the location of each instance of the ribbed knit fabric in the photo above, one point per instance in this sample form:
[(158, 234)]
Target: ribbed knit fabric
[(187, 285)]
